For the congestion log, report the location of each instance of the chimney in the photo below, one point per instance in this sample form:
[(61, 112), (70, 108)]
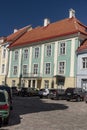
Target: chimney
[(46, 22), (15, 30), (71, 13)]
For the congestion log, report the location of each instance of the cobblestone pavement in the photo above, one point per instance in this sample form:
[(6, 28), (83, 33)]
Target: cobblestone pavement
[(33, 113)]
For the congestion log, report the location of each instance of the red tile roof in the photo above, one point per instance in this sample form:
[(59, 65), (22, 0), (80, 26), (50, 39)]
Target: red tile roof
[(83, 46), (16, 35), (60, 28)]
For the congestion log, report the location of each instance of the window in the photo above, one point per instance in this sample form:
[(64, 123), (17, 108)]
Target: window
[(3, 68), (61, 67), (25, 69), (35, 71), (25, 53), (46, 83), (47, 70), (15, 71), (16, 55), (13, 82), (49, 50), (3, 82), (62, 48), (36, 52), (84, 62), (4, 53)]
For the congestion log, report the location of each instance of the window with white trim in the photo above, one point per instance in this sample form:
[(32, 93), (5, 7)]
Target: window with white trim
[(47, 68), (13, 82), (4, 53), (3, 68), (36, 52), (35, 70), (16, 55), (84, 62), (25, 69), (48, 50), (15, 70), (46, 83), (61, 68), (62, 48), (25, 53)]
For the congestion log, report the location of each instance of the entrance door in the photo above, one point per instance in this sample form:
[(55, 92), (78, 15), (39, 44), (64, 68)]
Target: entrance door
[(29, 83), (33, 84)]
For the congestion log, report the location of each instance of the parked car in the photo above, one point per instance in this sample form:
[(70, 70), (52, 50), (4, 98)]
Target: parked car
[(4, 107), (33, 91), (75, 93), (44, 92), (85, 97), (8, 89), (57, 94), (23, 92), (28, 92), (14, 91)]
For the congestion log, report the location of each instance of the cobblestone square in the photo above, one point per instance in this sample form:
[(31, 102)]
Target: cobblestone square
[(33, 113)]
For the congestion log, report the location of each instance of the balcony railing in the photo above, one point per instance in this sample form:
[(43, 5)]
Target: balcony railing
[(28, 75)]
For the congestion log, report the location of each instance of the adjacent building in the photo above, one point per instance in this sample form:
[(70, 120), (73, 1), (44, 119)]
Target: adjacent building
[(82, 65), (4, 51)]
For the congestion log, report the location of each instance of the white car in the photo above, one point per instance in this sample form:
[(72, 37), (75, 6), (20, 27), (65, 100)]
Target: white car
[(44, 92)]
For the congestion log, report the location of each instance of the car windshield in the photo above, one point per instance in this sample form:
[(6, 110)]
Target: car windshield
[(2, 97), (69, 89), (52, 90)]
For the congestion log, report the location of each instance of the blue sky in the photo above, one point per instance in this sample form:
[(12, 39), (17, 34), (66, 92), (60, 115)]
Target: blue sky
[(20, 13)]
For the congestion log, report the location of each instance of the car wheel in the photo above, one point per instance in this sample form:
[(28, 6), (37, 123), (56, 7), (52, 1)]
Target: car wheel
[(86, 101), (78, 99), (41, 96), (6, 120), (68, 99)]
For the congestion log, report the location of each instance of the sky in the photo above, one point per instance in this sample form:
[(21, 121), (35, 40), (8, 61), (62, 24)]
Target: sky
[(16, 14)]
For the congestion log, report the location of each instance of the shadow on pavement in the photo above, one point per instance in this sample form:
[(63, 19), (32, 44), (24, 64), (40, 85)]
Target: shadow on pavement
[(26, 105)]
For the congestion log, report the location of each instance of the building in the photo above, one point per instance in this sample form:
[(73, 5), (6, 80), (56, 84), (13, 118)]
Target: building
[(4, 51), (45, 56), (82, 65)]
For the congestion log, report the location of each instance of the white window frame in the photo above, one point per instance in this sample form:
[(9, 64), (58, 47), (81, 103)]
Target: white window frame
[(84, 62), (13, 82), (16, 55), (35, 68), (3, 68), (36, 52), (48, 50), (46, 83), (4, 52), (61, 67), (47, 68), (62, 48), (25, 53), (25, 69), (15, 70)]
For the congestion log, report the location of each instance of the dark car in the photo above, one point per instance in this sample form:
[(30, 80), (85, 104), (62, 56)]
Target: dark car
[(14, 91), (85, 97), (8, 89), (32, 91), (75, 94), (57, 94), (24, 92)]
